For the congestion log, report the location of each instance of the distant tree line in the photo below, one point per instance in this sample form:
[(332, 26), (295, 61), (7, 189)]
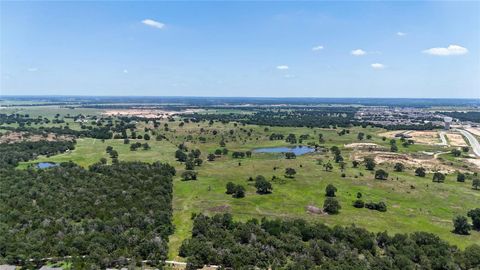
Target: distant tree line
[(13, 153), (464, 116)]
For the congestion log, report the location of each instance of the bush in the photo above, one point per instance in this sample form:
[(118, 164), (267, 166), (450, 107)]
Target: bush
[(262, 185), (420, 172), (189, 175), (399, 167), (438, 177), (330, 190), (461, 226), (331, 206), (230, 188), (381, 174), (239, 192), (358, 204)]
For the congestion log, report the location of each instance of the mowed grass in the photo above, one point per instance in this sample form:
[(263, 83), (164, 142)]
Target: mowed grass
[(414, 203)]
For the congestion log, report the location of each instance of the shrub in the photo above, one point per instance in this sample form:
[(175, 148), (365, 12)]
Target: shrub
[(331, 206), (358, 204)]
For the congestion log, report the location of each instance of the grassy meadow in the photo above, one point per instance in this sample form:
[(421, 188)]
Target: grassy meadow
[(414, 203)]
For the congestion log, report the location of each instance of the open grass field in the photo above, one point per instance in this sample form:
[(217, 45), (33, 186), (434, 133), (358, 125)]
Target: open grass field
[(414, 203)]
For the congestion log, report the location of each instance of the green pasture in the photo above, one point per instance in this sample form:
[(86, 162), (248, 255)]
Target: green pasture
[(414, 203)]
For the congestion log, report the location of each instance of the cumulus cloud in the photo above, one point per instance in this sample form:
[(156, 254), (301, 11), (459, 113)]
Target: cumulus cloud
[(450, 50), (378, 66), (401, 34), (153, 23), (358, 52), (317, 48), (282, 67)]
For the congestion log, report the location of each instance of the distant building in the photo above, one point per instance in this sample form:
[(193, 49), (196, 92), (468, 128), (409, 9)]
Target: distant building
[(447, 121)]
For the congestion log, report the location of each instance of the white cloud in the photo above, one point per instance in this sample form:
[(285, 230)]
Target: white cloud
[(153, 23), (317, 48), (378, 66), (401, 34), (282, 67), (32, 69), (450, 50), (125, 71), (358, 52)]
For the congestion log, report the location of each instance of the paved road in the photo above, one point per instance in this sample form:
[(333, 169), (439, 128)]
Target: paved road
[(472, 140)]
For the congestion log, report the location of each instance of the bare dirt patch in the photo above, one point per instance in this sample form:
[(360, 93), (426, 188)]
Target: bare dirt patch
[(456, 139), (391, 134), (474, 131), (364, 146), (429, 162), (146, 113), (220, 208), (425, 137), (474, 161), (13, 137), (314, 210)]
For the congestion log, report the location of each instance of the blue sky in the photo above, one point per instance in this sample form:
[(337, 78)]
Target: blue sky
[(278, 49)]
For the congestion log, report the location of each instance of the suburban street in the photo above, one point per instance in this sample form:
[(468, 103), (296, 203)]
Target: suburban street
[(472, 140)]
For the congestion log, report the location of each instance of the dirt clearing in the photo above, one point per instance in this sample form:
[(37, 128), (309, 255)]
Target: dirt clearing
[(146, 113), (456, 139)]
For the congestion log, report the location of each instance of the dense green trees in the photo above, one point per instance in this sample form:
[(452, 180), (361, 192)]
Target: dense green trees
[(297, 244), (13, 153), (104, 213)]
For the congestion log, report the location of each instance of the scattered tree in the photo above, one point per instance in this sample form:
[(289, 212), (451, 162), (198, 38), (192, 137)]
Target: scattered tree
[(438, 177), (330, 190), (331, 206), (420, 172), (369, 163), (399, 167), (262, 185), (290, 172), (461, 226)]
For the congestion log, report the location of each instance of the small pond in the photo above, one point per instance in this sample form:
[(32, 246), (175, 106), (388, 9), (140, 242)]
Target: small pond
[(297, 150), (44, 165)]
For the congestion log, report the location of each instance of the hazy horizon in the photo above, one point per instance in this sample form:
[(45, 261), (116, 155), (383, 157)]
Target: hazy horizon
[(241, 49)]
